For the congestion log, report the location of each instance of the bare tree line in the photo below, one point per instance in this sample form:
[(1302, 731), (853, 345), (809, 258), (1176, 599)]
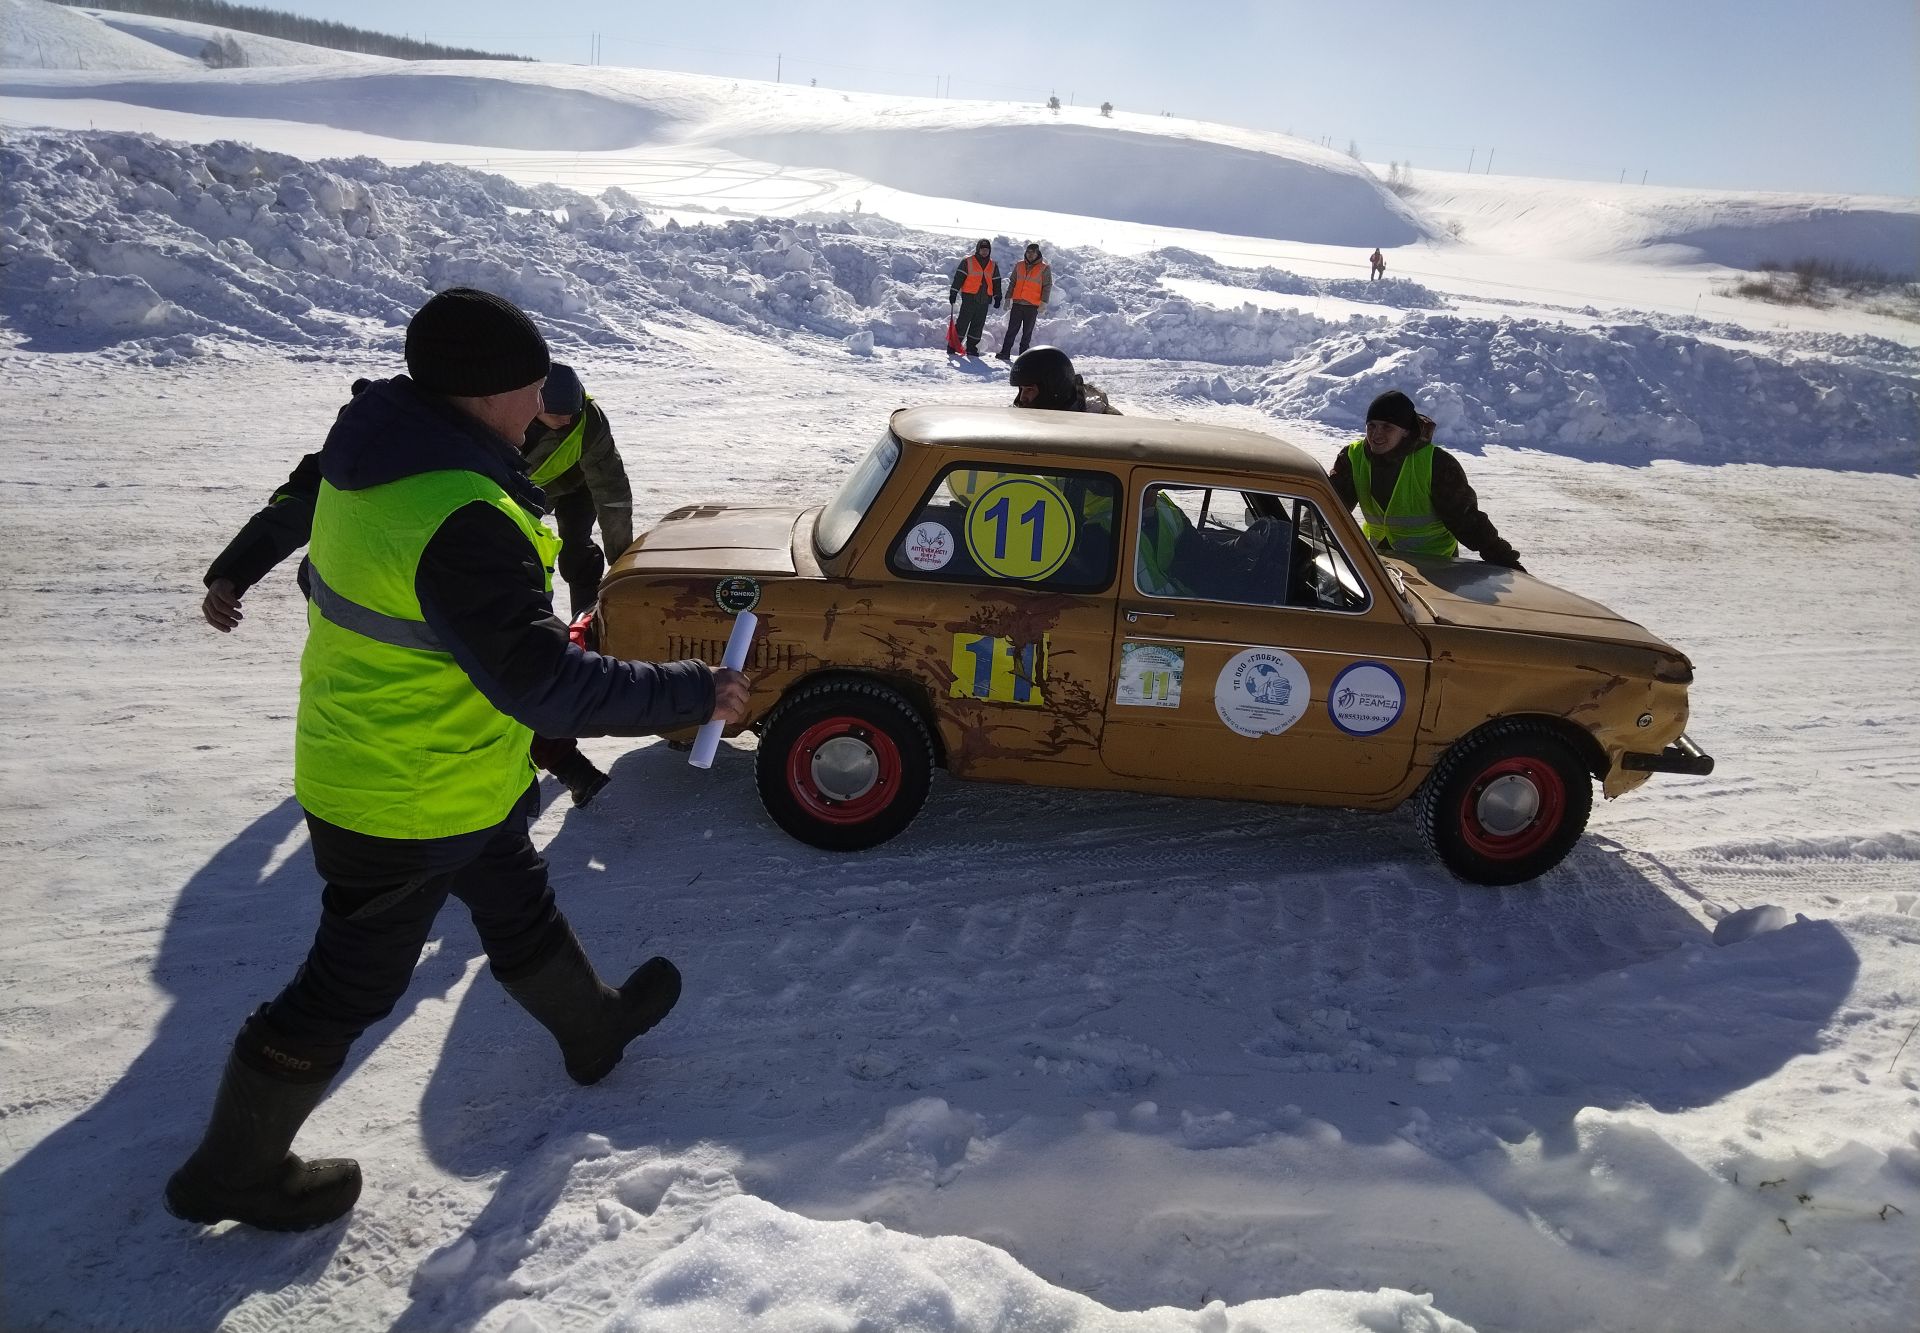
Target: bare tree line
[(293, 28)]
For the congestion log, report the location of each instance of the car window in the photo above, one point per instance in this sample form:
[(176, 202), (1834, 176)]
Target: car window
[(982, 524), (849, 505), (1208, 543)]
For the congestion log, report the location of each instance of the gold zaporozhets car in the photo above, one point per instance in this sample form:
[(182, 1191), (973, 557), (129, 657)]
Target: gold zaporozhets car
[(1072, 600)]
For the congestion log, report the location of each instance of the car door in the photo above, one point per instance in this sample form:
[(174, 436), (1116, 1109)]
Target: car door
[(1013, 562), (1251, 653)]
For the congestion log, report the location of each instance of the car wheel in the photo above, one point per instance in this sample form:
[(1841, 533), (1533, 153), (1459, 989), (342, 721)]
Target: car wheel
[(1506, 804), (844, 765)]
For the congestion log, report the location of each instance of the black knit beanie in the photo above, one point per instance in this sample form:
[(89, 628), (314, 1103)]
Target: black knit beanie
[(1396, 409), (564, 394), (469, 344)]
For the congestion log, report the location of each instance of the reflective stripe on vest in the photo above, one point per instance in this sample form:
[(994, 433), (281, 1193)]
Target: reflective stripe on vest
[(1408, 524), (979, 278), (1159, 544), (566, 453), (393, 738), (1026, 282)]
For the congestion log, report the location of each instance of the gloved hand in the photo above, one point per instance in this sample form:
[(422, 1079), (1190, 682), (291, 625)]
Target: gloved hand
[(996, 303), (952, 297), (221, 606)]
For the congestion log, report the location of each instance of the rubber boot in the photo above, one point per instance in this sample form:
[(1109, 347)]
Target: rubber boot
[(591, 1020), (243, 1172)]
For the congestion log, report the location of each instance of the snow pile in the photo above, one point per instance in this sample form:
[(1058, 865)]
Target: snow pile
[(753, 1268), (123, 239), (1625, 392), (35, 34)]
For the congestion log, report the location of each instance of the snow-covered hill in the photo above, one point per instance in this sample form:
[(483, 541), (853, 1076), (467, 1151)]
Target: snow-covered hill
[(35, 34), (190, 39)]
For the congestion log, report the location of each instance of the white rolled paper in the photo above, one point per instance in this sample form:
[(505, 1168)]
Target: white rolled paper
[(707, 743)]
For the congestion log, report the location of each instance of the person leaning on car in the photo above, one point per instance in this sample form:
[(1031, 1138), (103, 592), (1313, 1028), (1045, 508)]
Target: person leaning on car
[(283, 526), (570, 450), (1414, 496), (432, 656)]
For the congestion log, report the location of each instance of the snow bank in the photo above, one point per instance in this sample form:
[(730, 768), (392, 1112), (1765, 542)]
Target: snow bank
[(124, 240), (35, 34), (751, 1266), (1111, 173), (1625, 393)]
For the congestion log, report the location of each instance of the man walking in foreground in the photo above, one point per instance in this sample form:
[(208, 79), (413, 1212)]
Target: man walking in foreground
[(432, 655), (976, 282)]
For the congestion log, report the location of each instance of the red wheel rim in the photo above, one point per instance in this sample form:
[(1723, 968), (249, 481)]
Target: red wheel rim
[(844, 770), (1499, 784)]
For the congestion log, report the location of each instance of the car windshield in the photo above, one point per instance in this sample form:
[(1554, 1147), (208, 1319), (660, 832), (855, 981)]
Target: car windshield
[(844, 512)]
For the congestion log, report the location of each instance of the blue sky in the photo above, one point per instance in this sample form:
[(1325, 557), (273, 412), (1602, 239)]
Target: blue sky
[(1753, 94)]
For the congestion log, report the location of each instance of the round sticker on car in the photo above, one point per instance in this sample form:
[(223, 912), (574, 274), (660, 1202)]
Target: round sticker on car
[(1020, 528), (1262, 692), (929, 546), (736, 594), (1366, 699)]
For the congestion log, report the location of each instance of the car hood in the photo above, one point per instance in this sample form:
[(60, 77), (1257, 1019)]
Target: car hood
[(717, 538), (1474, 595)]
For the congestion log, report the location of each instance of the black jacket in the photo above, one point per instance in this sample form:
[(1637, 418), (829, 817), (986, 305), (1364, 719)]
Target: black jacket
[(1454, 502), (481, 587), (273, 534)]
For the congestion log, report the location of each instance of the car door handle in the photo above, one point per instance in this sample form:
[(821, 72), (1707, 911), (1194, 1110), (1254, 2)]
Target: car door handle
[(1135, 617)]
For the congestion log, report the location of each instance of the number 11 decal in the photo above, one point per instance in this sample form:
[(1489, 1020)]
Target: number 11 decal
[(998, 670)]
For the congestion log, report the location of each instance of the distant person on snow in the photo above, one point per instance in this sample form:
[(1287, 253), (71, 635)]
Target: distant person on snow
[(1413, 495), (432, 655), (976, 282), (570, 451), (1032, 288), (1045, 378), (283, 527), (1379, 262)]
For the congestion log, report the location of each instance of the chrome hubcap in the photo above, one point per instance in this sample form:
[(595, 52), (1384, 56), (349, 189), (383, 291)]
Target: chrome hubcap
[(1509, 803), (845, 768)]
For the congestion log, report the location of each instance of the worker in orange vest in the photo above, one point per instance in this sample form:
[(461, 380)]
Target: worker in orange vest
[(975, 282), (1032, 288)]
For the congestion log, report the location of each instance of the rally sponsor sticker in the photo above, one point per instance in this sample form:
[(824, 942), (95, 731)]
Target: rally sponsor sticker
[(1150, 675), (736, 594), (1366, 699), (929, 546), (1262, 692)]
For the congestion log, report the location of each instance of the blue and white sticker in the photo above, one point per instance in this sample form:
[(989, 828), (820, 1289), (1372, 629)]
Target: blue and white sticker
[(1262, 692), (1366, 699)]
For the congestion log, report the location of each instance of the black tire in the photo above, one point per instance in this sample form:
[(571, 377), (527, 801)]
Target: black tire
[(1506, 803), (874, 787)]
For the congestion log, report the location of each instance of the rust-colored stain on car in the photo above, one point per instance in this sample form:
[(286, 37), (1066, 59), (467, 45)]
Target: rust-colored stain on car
[(1070, 600)]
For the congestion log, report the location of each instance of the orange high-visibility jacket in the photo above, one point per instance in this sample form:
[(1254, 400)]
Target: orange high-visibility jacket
[(1031, 282), (978, 277)]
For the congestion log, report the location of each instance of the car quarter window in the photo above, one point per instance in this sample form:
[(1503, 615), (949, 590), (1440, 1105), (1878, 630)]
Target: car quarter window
[(1257, 548), (983, 523)]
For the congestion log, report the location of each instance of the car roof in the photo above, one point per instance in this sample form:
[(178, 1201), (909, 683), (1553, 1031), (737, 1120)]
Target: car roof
[(1107, 438)]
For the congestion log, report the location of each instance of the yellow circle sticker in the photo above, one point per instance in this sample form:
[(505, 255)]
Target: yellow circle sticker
[(1020, 528)]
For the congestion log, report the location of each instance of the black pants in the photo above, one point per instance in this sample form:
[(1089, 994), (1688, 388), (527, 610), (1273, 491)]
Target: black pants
[(973, 321), (581, 561), (1020, 317), (380, 902)]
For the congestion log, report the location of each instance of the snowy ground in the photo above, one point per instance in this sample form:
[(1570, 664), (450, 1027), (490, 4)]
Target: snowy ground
[(1049, 1060)]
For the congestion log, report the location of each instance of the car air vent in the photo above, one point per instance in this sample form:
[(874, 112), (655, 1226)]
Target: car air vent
[(768, 654)]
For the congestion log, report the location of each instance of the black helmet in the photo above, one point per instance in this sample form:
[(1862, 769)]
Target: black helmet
[(1051, 371)]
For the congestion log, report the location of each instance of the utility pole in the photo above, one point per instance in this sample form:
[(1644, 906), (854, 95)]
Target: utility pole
[(1489, 170), (1643, 178), (1470, 153), (777, 59), (1623, 176)]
